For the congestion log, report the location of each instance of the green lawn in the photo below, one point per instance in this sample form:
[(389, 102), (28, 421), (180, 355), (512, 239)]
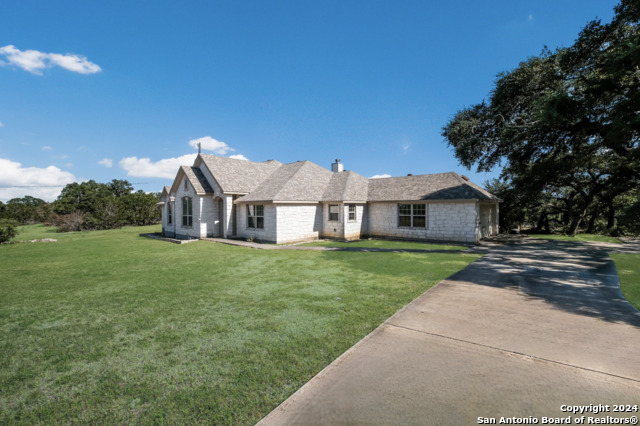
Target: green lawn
[(579, 237), (628, 266), (109, 327), (386, 244)]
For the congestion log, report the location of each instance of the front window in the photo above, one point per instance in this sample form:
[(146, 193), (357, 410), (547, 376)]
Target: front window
[(334, 215), (255, 216), (187, 211), (412, 215), (352, 212), (169, 214)]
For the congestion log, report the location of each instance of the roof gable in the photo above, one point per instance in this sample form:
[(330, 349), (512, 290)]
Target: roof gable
[(237, 176), (195, 177), (346, 186), (299, 181)]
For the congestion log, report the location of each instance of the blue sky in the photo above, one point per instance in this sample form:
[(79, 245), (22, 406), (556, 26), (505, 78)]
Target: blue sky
[(119, 89)]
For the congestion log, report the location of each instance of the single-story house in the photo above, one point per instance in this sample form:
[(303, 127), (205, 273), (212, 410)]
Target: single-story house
[(283, 203)]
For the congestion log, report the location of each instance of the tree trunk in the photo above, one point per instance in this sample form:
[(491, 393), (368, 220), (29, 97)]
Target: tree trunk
[(592, 223), (611, 217), (541, 221)]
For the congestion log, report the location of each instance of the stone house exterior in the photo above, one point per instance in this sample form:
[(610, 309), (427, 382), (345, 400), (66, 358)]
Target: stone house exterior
[(285, 203)]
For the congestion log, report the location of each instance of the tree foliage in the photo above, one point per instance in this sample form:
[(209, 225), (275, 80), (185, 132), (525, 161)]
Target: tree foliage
[(8, 229), (87, 205), (92, 205), (564, 124)]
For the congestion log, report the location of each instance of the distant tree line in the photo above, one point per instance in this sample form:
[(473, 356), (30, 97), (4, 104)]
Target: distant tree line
[(86, 206), (565, 127)]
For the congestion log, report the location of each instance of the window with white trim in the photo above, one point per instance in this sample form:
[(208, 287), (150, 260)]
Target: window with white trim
[(352, 212), (255, 216), (169, 214), (334, 213), (412, 215), (187, 211)]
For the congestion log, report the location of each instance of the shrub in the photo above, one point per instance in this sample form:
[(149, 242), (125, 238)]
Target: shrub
[(8, 229), (70, 222)]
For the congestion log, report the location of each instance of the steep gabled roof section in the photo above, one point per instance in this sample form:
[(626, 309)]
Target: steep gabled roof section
[(346, 186), (299, 181), (196, 179), (438, 186), (238, 176)]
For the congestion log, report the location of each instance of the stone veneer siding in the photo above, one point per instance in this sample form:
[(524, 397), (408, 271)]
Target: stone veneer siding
[(283, 223), (266, 234), (298, 222), (446, 221), (354, 230)]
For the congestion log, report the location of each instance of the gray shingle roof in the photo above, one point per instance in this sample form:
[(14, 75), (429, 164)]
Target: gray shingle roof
[(346, 186), (438, 186), (306, 181), (299, 181), (197, 179), (238, 176)]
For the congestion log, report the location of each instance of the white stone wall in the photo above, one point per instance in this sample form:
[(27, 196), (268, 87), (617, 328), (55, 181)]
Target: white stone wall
[(332, 229), (298, 222), (266, 234), (186, 231), (227, 213), (353, 230), (446, 221)]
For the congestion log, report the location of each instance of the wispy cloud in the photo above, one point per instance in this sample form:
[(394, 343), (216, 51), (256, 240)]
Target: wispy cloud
[(46, 148), (144, 167), (210, 144), (239, 157), (35, 61), (17, 181), (406, 147), (1, 125), (107, 162), (386, 175)]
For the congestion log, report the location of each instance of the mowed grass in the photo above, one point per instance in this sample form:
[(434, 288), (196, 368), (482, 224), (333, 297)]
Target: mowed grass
[(628, 266), (578, 237), (386, 244), (110, 327)]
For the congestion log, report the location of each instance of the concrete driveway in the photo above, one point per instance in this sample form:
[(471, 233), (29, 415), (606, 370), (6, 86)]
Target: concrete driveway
[(530, 327)]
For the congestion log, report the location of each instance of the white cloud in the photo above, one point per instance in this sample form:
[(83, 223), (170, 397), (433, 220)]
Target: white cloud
[(211, 144), (406, 147), (35, 61), (17, 181), (380, 176), (166, 168), (107, 162), (46, 148), (1, 125), (239, 157)]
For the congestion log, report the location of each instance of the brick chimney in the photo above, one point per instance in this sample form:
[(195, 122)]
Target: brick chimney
[(337, 166)]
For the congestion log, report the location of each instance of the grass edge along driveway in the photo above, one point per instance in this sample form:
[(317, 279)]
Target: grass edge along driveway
[(110, 327), (628, 266)]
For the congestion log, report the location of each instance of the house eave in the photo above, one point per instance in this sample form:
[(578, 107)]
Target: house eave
[(433, 200)]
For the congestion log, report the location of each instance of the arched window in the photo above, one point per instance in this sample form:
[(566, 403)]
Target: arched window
[(187, 212)]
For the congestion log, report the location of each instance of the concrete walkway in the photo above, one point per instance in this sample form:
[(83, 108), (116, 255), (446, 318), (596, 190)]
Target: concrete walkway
[(530, 327), (262, 246)]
